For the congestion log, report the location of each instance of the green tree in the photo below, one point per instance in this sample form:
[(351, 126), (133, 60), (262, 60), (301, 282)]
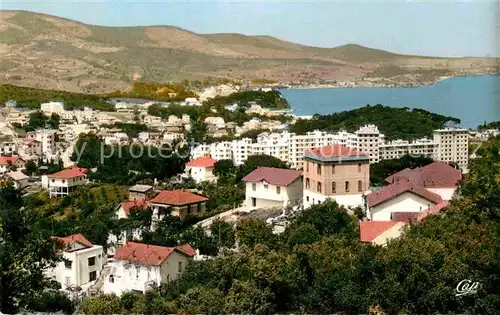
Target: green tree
[(251, 232), (224, 169), (104, 304), (223, 234)]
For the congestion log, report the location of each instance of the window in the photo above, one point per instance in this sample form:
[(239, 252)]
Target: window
[(319, 169), (180, 266), (307, 198), (67, 281), (333, 169), (63, 181), (307, 166), (67, 264), (278, 190), (92, 275), (319, 187), (334, 187), (360, 185), (266, 186), (137, 272), (254, 186), (308, 184), (91, 261), (359, 167), (347, 186), (111, 279), (53, 180)]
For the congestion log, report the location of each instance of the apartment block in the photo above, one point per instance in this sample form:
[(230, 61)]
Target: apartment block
[(398, 148), (369, 140), (452, 146)]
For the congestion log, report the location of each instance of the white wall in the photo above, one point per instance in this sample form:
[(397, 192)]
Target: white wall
[(445, 193), (406, 202), (343, 200), (79, 272), (394, 231), (129, 276), (201, 174), (269, 197)]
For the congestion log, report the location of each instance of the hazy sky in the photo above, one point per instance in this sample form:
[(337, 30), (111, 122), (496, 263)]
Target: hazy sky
[(440, 28)]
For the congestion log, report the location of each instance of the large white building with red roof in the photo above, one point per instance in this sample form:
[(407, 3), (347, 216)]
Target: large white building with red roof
[(272, 187), (201, 169), (336, 172), (82, 262), (9, 162), (64, 182), (139, 267)]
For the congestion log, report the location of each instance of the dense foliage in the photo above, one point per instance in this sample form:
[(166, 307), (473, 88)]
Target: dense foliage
[(32, 98), (490, 125), (132, 130), (156, 91), (129, 163), (270, 99), (318, 265), (394, 123)]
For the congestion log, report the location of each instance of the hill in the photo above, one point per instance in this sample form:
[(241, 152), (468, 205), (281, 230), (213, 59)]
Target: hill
[(49, 52)]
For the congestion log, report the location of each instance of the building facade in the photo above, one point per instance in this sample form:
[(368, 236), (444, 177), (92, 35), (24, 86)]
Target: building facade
[(336, 172), (453, 146), (63, 183)]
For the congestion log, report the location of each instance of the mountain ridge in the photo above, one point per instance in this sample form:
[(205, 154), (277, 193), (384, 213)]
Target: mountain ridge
[(47, 51)]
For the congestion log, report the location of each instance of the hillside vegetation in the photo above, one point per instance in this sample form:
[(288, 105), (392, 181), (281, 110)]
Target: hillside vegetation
[(45, 51), (394, 123)]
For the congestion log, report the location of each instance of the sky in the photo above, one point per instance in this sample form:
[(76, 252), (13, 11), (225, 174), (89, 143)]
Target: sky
[(433, 28)]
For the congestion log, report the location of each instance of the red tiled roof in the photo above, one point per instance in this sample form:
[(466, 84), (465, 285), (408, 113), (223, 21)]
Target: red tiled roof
[(336, 150), (187, 249), (434, 175), (71, 239), (146, 254), (433, 210), (398, 188), (204, 161), (404, 216), (69, 173), (17, 175), (127, 205), (369, 230), (6, 160), (177, 197), (274, 176)]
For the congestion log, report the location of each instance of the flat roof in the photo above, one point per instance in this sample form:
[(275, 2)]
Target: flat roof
[(140, 188)]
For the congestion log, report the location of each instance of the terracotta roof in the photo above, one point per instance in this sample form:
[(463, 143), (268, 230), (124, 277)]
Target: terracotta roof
[(369, 230), (204, 161), (6, 160), (71, 239), (69, 173), (177, 197), (17, 175), (398, 188), (187, 249), (274, 176), (146, 254), (433, 210), (404, 216), (336, 150), (127, 205), (434, 175)]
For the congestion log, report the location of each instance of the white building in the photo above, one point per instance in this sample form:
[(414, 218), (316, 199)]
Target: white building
[(201, 169), (453, 146), (47, 138), (218, 122), (399, 199), (52, 108), (272, 187), (62, 183), (140, 267), (369, 140), (19, 178), (398, 148), (82, 263), (7, 147)]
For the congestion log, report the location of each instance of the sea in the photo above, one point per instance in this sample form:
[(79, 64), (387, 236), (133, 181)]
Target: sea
[(472, 99)]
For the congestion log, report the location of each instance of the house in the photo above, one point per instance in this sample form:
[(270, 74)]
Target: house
[(62, 183), (402, 196), (82, 262), (379, 232), (337, 172), (437, 177), (9, 162), (123, 209), (30, 148), (139, 267), (177, 202), (272, 187), (20, 180), (140, 192), (201, 169)]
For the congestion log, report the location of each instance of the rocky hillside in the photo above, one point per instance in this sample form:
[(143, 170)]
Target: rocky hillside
[(50, 52)]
